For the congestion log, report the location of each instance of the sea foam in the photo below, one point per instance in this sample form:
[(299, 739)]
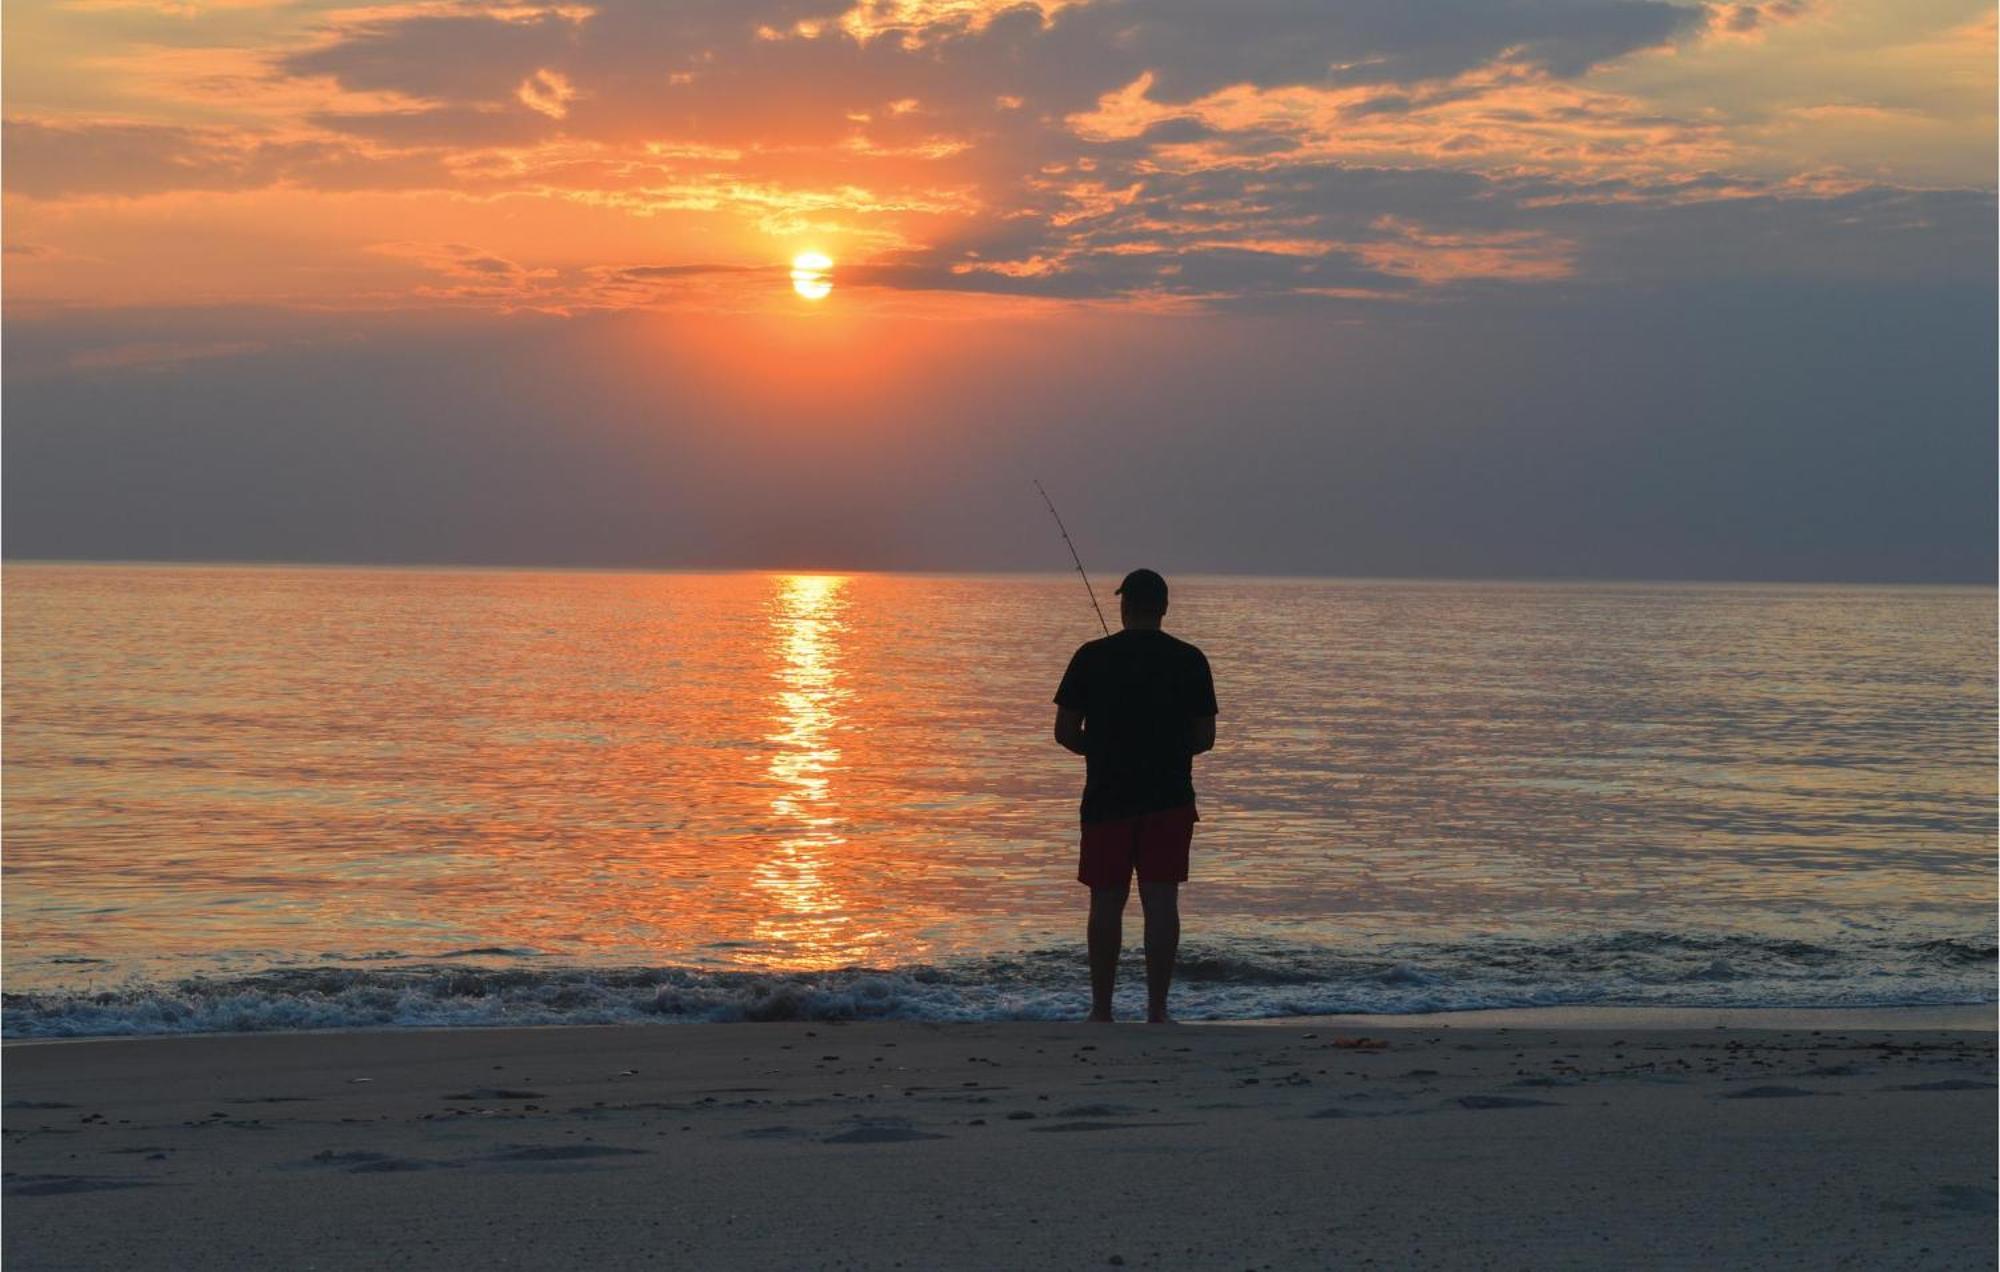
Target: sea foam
[(1235, 981)]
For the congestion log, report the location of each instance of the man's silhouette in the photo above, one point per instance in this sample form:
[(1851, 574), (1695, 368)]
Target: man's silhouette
[(1138, 706)]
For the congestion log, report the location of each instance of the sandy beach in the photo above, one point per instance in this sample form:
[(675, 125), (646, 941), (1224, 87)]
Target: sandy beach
[(1434, 1143)]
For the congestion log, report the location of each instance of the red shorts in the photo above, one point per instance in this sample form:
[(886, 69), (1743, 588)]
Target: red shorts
[(1155, 844)]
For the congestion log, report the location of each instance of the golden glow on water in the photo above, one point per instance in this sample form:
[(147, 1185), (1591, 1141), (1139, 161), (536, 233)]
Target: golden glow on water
[(229, 768), (812, 275), (806, 915)]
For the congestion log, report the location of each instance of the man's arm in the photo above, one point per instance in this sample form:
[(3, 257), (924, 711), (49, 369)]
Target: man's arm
[(1201, 735), (1069, 730), (1201, 707)]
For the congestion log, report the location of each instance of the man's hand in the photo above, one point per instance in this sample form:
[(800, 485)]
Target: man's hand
[(1069, 730), (1201, 735)]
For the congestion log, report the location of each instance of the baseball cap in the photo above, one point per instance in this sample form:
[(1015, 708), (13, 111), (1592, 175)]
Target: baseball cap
[(1145, 589)]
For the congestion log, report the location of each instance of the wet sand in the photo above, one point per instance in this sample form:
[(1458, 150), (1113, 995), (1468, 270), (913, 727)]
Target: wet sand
[(1436, 1143)]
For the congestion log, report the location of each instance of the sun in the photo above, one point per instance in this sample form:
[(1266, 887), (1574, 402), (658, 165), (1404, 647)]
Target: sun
[(812, 275)]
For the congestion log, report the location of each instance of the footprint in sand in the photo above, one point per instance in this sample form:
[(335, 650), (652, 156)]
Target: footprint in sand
[(390, 1165), (1947, 1084), (772, 1133), (1100, 1126), (1502, 1102), (58, 1185), (362, 1162), (561, 1152), (880, 1134)]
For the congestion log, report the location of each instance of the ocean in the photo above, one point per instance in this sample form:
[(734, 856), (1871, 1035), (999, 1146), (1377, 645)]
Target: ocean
[(254, 798)]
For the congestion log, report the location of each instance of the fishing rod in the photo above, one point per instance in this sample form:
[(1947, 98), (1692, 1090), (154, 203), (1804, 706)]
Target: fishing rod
[(1073, 556)]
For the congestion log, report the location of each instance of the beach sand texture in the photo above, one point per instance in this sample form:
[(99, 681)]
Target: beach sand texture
[(1005, 1146)]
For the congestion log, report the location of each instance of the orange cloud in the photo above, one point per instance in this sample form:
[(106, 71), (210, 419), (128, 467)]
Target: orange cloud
[(920, 22), (1438, 258), (547, 92), (1499, 119)]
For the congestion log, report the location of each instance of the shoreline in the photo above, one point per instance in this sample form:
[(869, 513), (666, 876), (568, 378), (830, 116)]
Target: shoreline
[(1953, 1018), (1950, 1018)]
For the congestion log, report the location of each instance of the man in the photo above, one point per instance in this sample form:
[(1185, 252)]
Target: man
[(1138, 707)]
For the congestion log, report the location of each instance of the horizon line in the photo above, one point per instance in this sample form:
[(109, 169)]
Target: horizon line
[(1270, 576)]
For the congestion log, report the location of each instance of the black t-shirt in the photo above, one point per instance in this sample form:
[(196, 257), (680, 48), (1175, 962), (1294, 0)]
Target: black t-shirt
[(1140, 693)]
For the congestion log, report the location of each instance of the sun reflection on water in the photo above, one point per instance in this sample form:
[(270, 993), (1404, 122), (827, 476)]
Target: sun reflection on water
[(808, 916), (232, 768)]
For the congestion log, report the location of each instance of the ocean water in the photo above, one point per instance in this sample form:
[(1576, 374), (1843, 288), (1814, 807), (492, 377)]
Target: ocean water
[(272, 798)]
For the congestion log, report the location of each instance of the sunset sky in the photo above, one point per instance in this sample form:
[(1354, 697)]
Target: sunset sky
[(1605, 288)]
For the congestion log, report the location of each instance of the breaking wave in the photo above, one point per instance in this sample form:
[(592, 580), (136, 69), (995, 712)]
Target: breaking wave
[(1234, 981)]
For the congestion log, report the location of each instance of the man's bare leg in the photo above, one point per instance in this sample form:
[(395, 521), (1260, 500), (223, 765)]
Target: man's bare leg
[(1107, 935), (1163, 942)]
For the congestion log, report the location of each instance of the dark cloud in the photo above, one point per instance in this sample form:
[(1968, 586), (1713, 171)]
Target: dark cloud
[(779, 73), (1195, 48), (1711, 228), (713, 63), (1744, 19), (1380, 229), (446, 58)]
